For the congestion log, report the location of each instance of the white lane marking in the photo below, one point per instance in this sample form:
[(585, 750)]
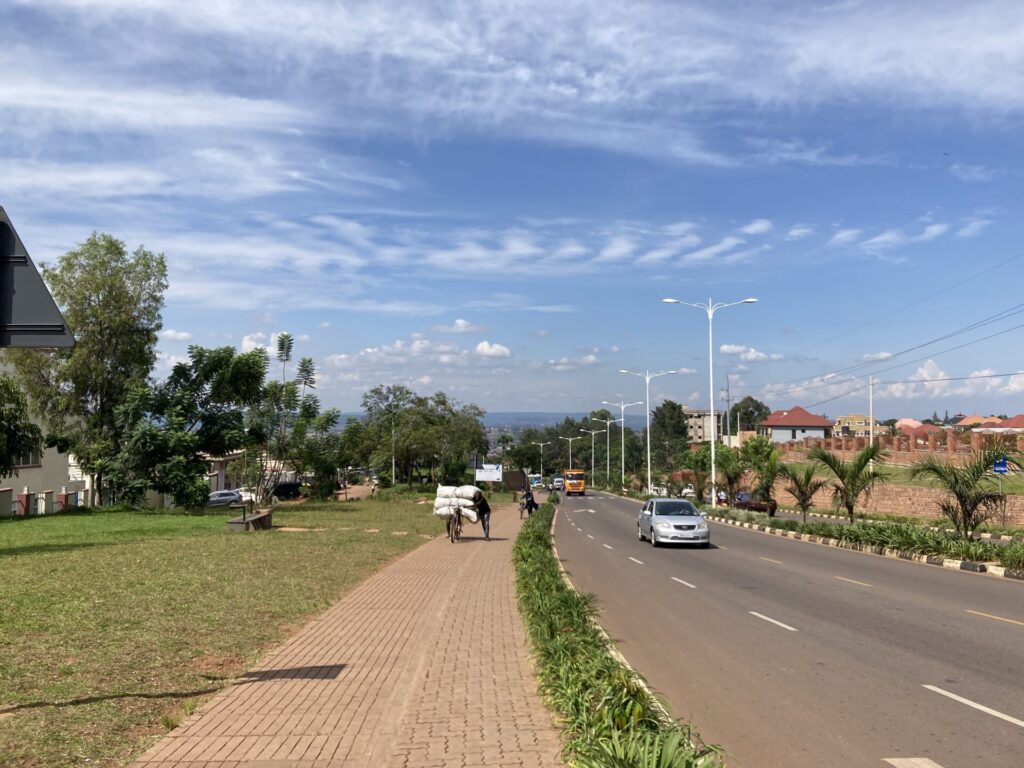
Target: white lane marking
[(684, 583), (638, 562), (591, 511), (777, 562), (911, 762), (608, 546), (719, 546), (589, 536), (773, 621), (997, 618), (852, 581), (975, 705)]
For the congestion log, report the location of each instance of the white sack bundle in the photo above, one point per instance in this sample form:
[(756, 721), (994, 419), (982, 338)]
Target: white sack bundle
[(468, 513), (469, 492), (452, 501)]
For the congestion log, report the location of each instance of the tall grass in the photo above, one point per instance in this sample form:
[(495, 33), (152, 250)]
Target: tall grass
[(611, 720)]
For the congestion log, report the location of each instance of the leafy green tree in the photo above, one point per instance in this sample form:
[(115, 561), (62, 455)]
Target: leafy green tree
[(802, 483), (748, 413), (668, 434), (171, 429), (730, 469), (285, 343), (112, 301), (19, 436), (699, 463), (973, 496), (765, 475), (851, 479)]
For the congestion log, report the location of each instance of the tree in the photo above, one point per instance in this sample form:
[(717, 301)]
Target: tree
[(748, 412), (668, 433), (767, 472), (730, 468), (850, 479), (112, 302), (973, 496), (19, 436), (171, 429), (699, 462), (802, 484)]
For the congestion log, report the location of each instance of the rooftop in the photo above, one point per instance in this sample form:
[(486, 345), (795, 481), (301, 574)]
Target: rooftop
[(795, 417)]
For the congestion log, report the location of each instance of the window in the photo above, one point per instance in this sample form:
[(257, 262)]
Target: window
[(793, 435), (28, 460)]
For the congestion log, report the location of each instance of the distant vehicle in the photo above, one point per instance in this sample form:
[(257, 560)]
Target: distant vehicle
[(672, 521), (575, 482), (558, 483), (536, 481), (659, 490), (247, 494), (688, 492), (290, 490), (756, 505), (223, 498)]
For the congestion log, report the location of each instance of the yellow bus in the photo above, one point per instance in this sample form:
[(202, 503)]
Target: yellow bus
[(575, 481)]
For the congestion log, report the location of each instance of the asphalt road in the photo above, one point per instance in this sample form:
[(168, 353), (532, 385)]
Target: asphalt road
[(789, 653)]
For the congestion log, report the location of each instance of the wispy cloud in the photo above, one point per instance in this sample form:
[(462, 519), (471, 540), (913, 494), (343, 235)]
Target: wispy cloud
[(973, 228), (845, 236), (172, 335), (749, 354), (974, 173), (459, 326), (799, 232), (724, 245), (757, 227)]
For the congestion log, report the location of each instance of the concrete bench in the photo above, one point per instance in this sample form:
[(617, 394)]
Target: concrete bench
[(259, 520)]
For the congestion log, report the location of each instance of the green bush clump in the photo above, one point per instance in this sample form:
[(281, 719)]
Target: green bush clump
[(611, 721), (1012, 556)]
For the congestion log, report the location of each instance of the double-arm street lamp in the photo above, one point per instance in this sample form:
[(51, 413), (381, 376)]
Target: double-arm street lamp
[(647, 376), (622, 434), (607, 445), (570, 439), (710, 310), (542, 457), (592, 432)]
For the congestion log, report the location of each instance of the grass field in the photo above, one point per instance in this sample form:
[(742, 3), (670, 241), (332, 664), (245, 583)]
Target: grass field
[(114, 626)]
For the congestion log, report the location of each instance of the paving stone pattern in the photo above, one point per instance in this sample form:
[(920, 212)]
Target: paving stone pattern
[(424, 665)]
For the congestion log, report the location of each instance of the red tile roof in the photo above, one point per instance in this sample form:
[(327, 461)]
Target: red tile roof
[(1017, 422), (795, 417)]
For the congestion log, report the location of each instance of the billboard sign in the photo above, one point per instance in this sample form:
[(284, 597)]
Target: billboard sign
[(489, 473)]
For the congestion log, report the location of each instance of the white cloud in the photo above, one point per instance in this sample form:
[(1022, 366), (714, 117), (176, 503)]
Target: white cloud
[(459, 326), (172, 335), (973, 228), (798, 232), (724, 245), (974, 173), (253, 340), (618, 248), (876, 356), (486, 349), (757, 227), (749, 354), (894, 238), (845, 236), (325, 324)]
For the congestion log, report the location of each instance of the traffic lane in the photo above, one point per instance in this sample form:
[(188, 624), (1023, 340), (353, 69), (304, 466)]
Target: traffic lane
[(934, 622), (872, 673)]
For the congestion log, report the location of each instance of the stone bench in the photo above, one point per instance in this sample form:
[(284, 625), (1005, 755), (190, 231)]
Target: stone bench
[(259, 520)]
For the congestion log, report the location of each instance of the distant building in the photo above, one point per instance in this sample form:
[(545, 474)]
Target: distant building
[(978, 421), (856, 425), (794, 424), (907, 424), (698, 425)]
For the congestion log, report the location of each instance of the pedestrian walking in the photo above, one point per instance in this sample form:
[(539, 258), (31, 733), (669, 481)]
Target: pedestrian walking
[(531, 503), (483, 511)]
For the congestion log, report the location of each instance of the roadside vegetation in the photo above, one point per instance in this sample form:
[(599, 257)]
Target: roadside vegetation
[(610, 719), (118, 624)]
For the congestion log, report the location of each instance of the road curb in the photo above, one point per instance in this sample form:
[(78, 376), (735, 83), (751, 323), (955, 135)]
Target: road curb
[(667, 719), (986, 569)]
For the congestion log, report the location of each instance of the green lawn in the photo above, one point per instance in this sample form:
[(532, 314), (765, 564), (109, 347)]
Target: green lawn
[(113, 626)]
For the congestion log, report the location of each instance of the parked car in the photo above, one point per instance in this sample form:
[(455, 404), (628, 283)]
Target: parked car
[(672, 521), (248, 495), (289, 490), (223, 498), (659, 490), (756, 505)]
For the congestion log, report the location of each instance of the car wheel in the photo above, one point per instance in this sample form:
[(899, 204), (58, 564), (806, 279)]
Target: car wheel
[(654, 538), (706, 545), (639, 534)]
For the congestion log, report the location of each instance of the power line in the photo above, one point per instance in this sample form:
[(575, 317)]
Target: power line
[(918, 381)]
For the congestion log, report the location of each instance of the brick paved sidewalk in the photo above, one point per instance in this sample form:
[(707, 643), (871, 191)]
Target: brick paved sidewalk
[(424, 664)]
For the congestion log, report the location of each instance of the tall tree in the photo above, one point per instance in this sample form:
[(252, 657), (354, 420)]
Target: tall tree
[(972, 494), (668, 434), (802, 484), (730, 468), (19, 436), (853, 479), (112, 301), (748, 413)]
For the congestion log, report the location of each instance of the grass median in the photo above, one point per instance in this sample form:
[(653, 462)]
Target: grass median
[(611, 720), (116, 625)]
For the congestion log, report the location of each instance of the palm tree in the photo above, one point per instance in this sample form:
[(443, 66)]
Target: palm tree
[(803, 484), (766, 474), (850, 479), (973, 496), (730, 469)]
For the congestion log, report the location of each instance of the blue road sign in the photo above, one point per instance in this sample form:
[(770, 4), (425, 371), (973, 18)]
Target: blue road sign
[(999, 467)]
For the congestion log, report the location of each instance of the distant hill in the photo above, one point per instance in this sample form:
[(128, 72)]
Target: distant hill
[(523, 419)]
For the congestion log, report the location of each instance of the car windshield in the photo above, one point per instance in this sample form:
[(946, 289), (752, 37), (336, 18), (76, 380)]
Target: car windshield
[(675, 509), (574, 476)]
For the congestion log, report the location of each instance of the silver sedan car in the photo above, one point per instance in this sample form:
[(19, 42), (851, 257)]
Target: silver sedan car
[(672, 521)]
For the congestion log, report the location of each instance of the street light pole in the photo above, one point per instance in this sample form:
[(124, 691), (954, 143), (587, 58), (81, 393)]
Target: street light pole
[(592, 432), (607, 448), (570, 439), (710, 310), (542, 457), (622, 433), (647, 376)]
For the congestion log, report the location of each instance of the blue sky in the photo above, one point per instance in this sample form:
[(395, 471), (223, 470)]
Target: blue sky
[(490, 198)]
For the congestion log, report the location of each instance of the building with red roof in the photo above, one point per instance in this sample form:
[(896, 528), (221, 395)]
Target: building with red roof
[(795, 423)]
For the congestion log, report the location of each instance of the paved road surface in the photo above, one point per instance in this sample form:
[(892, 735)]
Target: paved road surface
[(793, 654)]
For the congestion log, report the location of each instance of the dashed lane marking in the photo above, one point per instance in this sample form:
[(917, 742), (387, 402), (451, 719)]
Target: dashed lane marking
[(638, 562), (773, 621), (684, 583), (777, 562), (589, 536), (997, 618), (608, 546), (852, 581), (975, 705), (911, 762)]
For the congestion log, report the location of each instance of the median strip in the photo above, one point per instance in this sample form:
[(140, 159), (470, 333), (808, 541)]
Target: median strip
[(975, 705), (773, 621)]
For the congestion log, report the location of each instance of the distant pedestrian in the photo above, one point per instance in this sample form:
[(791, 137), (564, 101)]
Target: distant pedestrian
[(483, 510), (531, 503)]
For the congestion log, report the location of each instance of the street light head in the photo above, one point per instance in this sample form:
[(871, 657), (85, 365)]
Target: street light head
[(671, 301), (749, 301)]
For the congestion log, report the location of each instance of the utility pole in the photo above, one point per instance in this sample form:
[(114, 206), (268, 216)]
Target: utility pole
[(727, 396), (622, 433), (871, 419), (607, 445), (542, 457)]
